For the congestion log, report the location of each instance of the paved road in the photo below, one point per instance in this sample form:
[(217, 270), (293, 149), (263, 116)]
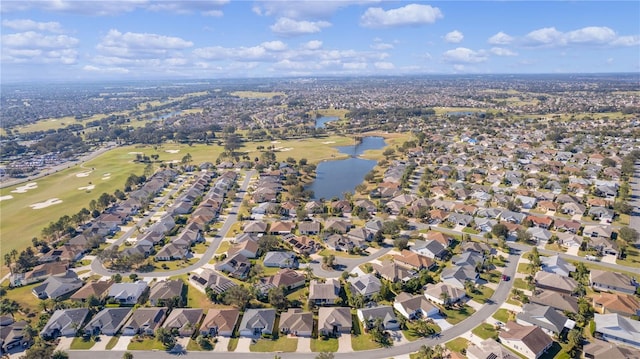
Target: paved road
[(499, 296), (97, 267), (346, 264), (54, 169), (634, 182)]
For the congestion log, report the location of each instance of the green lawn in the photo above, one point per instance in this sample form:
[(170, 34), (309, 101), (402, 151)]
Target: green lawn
[(145, 344), (523, 268), (283, 344), (492, 276), (233, 344), (520, 284), (79, 343), (24, 296), (359, 339), (320, 345), (482, 294), (502, 315), (112, 342), (456, 315), (457, 345), (485, 331), (411, 334), (193, 345), (224, 247)]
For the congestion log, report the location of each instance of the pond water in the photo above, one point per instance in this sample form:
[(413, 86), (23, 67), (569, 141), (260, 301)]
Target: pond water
[(320, 121), (333, 178)]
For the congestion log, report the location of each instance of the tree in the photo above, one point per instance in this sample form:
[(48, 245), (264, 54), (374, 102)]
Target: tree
[(9, 307), (238, 296), (59, 354), (574, 341), (401, 243), (127, 355), (329, 261), (500, 230), (277, 298), (523, 236), (629, 235), (166, 338)]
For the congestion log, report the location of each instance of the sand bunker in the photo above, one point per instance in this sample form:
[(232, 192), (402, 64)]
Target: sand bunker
[(172, 151), (286, 149), (3, 198), (106, 178), (84, 174), (328, 142), (45, 204), (87, 188), (25, 188), (275, 141)]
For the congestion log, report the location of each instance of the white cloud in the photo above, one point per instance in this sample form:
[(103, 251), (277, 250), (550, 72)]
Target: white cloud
[(626, 41), (462, 55), (354, 65), (289, 27), (454, 37), (313, 45), (213, 13), (547, 36), (32, 39), (29, 25), (591, 34), (304, 9), (274, 45), (114, 7), (217, 53), (108, 70), (134, 45), (412, 14), (500, 39), (383, 65), (379, 45), (501, 51)]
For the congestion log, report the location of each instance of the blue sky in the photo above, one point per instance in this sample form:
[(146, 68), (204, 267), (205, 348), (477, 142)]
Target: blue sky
[(142, 39)]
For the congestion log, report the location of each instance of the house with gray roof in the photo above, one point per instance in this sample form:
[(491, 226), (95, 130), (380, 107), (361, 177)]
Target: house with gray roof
[(618, 329), (144, 321), (296, 322), (324, 293), (414, 306), (164, 291), (64, 322), (211, 279), (127, 293), (554, 282), (334, 321), (368, 316), (278, 259), (58, 285), (612, 281), (548, 319), (256, 322), (431, 248), (555, 264), (108, 321), (366, 285), (183, 320), (458, 275)]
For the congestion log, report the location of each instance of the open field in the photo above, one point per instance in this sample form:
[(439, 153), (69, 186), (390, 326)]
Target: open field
[(331, 112), (256, 94)]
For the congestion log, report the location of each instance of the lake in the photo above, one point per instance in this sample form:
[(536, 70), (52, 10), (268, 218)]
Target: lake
[(333, 178), (320, 121)]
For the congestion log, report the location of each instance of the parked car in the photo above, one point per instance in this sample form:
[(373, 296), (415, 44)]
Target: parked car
[(505, 277)]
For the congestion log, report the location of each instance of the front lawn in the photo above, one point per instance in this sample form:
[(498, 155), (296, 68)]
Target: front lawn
[(147, 343), (328, 345), (520, 284), (482, 294), (82, 343), (485, 331), (112, 342), (457, 345), (283, 344), (455, 315), (411, 334), (194, 346), (359, 339), (233, 344), (502, 315), (492, 276)]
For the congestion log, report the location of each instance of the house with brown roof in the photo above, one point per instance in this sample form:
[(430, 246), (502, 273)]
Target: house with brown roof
[(279, 227), (248, 248), (324, 293), (98, 289), (144, 321), (439, 237), (287, 279), (599, 349), (555, 282), (623, 304), (413, 260), (333, 321), (296, 322), (392, 271), (567, 225), (556, 300), (528, 340), (165, 291), (219, 322), (540, 221), (183, 320)]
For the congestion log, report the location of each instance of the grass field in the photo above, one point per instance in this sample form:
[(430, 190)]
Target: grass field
[(80, 343), (284, 344), (145, 344), (457, 345), (256, 94), (485, 331), (329, 345)]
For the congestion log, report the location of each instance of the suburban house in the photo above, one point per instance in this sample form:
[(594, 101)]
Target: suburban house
[(555, 264), (414, 260), (528, 340), (470, 258), (287, 279), (248, 248), (555, 282), (98, 289), (341, 243), (618, 303), (309, 228), (619, 329), (368, 316), (489, 348), (431, 248), (414, 306), (256, 322), (334, 321), (237, 266), (548, 319), (172, 251), (597, 231), (556, 300), (127, 293), (64, 322), (219, 322), (324, 293), (458, 276), (296, 322), (280, 259), (183, 320), (144, 321), (443, 293), (393, 272), (165, 291), (608, 281), (539, 235), (12, 334), (211, 279), (108, 321), (599, 349), (58, 285), (366, 285)]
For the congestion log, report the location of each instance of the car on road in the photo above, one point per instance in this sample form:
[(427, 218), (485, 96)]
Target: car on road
[(505, 277)]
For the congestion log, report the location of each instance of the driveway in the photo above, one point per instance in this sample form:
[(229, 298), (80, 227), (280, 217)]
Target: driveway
[(442, 323), (123, 343), (304, 345), (344, 343), (102, 343), (243, 345), (609, 258), (222, 345), (475, 305), (397, 337), (64, 343), (573, 250)]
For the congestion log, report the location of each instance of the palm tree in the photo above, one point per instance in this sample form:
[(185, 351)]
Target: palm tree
[(9, 306), (446, 299)]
